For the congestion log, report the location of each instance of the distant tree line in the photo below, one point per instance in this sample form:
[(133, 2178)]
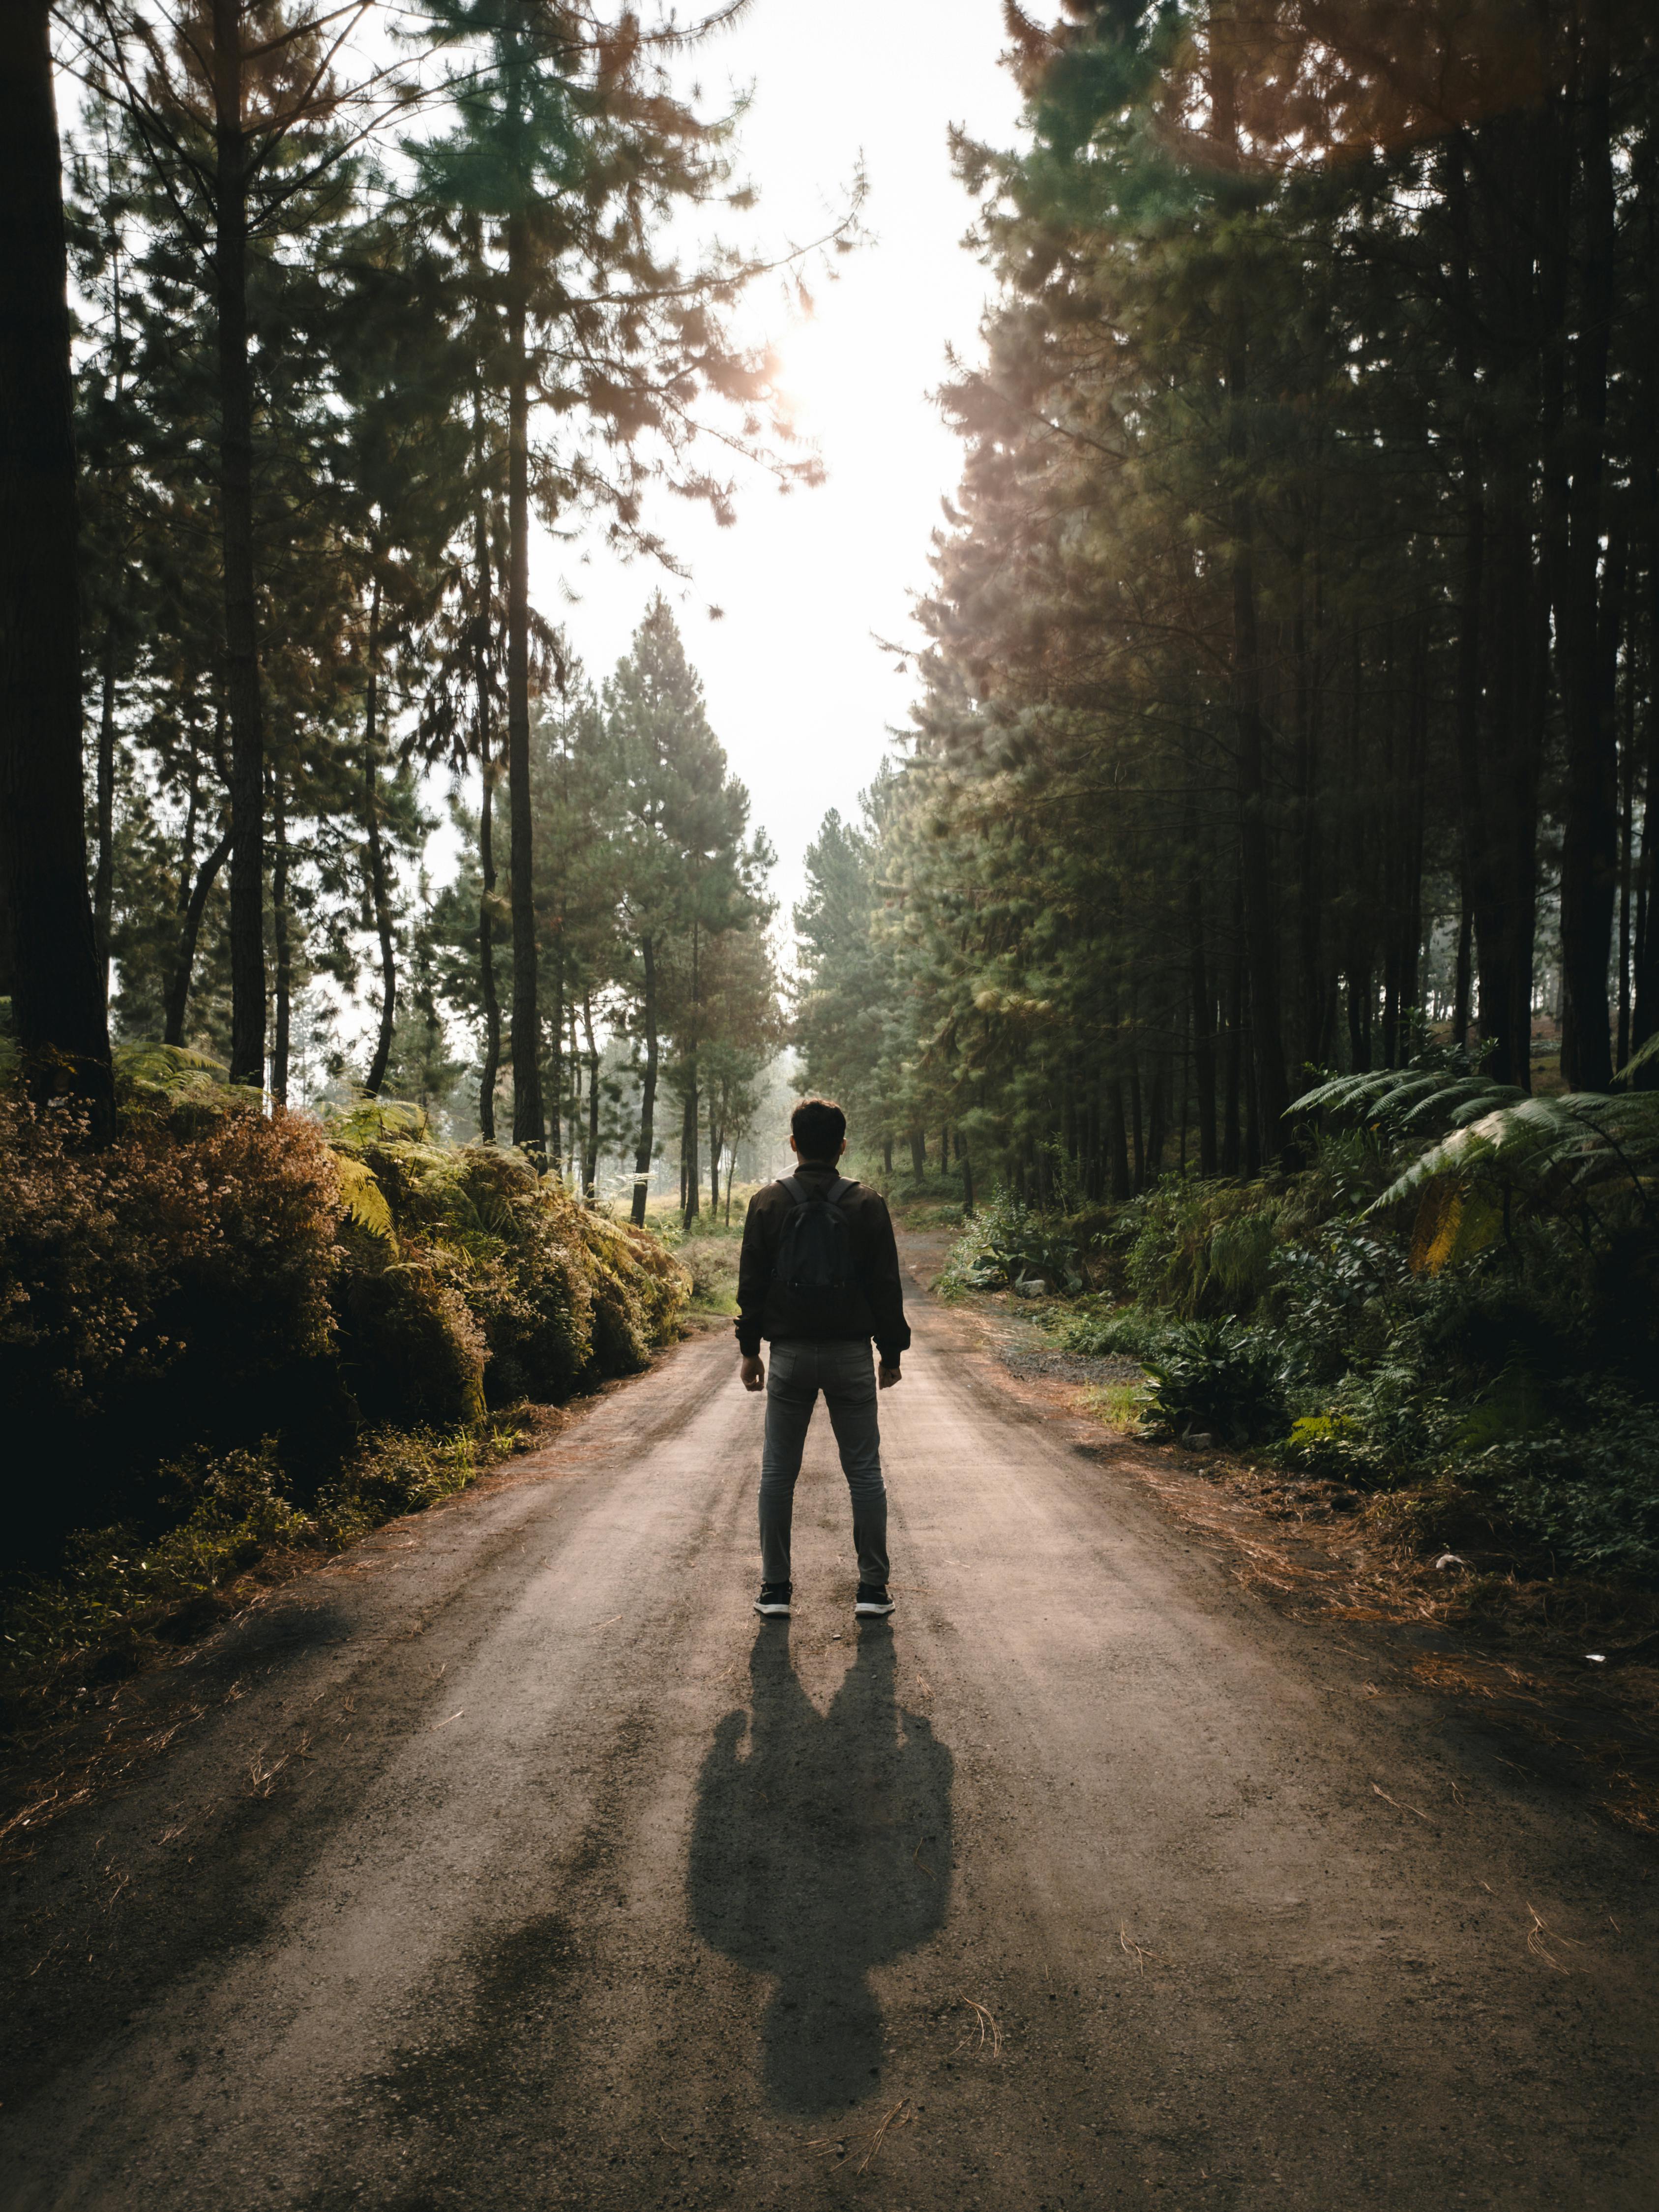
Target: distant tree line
[(1291, 701), (356, 304)]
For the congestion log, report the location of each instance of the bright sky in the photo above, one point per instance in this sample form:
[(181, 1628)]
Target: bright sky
[(799, 692)]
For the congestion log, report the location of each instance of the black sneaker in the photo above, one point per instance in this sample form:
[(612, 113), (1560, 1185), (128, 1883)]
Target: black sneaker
[(774, 1600), (873, 1598)]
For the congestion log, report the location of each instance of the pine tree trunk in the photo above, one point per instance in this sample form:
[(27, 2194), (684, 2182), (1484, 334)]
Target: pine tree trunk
[(1260, 916), (491, 1069), (1157, 1113), (1118, 1142), (553, 1104), (1589, 844), (280, 942), (591, 1150), (1318, 969), (47, 946), (103, 881), (187, 843), (918, 1156), (248, 955), (1203, 1015), (379, 887), (177, 1001), (528, 1119), (1460, 1021), (693, 1202), (1626, 850), (1233, 1100), (1644, 963), (648, 1087), (1255, 860)]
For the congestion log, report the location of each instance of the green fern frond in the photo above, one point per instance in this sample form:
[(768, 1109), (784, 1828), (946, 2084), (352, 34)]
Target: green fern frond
[(169, 1074), (1641, 1057), (1463, 1101), (1555, 1154), (1397, 1100), (376, 1120), (364, 1200)]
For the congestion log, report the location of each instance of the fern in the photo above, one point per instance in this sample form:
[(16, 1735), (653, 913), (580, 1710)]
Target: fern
[(1558, 1155), (1409, 1099), (363, 1199)]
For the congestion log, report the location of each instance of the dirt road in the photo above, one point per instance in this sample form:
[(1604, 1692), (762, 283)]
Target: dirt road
[(511, 1862)]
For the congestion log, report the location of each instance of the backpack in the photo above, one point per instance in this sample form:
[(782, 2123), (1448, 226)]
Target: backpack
[(814, 1268)]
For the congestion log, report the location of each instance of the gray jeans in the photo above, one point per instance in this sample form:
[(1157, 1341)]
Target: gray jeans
[(845, 1372)]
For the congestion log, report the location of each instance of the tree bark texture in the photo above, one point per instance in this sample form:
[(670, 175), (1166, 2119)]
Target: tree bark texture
[(648, 1087), (378, 881), (590, 1147), (46, 934), (103, 879), (189, 930), (282, 945), (1589, 848), (529, 1121), (242, 691)]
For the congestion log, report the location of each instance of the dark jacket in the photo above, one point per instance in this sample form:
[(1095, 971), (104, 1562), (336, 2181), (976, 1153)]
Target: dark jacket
[(878, 1308)]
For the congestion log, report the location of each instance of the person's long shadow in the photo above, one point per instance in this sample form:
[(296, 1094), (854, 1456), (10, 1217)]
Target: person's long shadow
[(821, 1848)]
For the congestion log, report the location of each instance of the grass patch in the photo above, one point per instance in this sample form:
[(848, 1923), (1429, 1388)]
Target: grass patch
[(713, 1264), (922, 1210), (710, 1253), (1118, 1406)]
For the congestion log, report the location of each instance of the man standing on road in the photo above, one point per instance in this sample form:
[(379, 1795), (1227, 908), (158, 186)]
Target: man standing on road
[(820, 1276)]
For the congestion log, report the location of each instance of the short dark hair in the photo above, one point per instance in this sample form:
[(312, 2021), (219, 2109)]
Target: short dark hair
[(817, 1126)]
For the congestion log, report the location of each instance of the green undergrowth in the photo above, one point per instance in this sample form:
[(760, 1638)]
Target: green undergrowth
[(709, 1254), (923, 1208), (232, 1330), (120, 1596), (1451, 1304)]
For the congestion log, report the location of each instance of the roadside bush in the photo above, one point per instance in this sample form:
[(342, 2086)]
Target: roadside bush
[(219, 1281), (1200, 1249), (1005, 1244), (118, 1267), (122, 1593), (395, 1471), (159, 1295), (117, 1586), (711, 1255), (654, 1278), (1587, 1493), (1454, 1303), (560, 1293), (1220, 1378), (1098, 1330), (410, 1347)]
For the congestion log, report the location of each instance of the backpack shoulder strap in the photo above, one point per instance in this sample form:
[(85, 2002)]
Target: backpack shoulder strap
[(802, 1196)]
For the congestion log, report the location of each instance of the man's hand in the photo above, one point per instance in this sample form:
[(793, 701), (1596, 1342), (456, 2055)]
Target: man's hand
[(887, 1375), (752, 1369)]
